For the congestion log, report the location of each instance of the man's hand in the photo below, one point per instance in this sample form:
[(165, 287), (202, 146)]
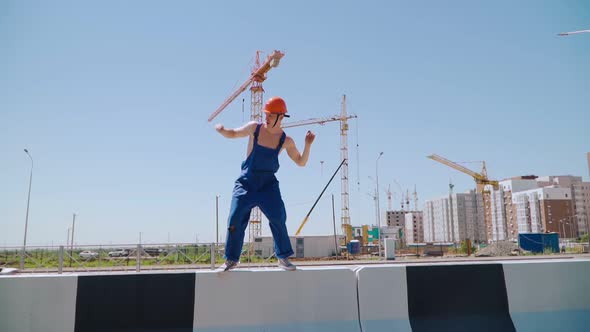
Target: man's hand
[(309, 137), (219, 127)]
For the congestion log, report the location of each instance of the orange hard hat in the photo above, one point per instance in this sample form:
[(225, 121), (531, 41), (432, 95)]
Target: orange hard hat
[(276, 105)]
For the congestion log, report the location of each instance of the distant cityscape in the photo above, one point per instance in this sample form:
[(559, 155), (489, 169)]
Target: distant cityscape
[(522, 204)]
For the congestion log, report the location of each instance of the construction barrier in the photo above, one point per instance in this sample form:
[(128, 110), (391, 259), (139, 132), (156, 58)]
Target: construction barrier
[(135, 302), (311, 299), (383, 299), (523, 296), (37, 303), (549, 296), (434, 297)]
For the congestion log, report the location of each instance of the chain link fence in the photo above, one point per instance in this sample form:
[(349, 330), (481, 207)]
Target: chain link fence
[(125, 258)]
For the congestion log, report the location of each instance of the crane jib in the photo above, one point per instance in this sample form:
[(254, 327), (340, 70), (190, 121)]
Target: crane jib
[(258, 75)]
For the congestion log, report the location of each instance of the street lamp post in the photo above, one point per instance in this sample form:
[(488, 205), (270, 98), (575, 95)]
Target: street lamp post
[(569, 34), (561, 223), (378, 207), (73, 228), (23, 253)]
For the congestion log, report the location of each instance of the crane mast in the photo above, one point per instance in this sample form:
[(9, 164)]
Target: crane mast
[(344, 184), (256, 96)]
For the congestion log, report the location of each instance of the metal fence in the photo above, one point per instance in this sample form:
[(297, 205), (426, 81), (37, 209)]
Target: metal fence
[(124, 258)]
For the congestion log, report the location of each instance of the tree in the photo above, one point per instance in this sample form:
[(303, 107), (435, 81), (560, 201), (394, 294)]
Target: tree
[(463, 248)]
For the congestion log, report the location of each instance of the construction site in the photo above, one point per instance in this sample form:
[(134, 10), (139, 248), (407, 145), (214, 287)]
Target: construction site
[(159, 241), (495, 211)]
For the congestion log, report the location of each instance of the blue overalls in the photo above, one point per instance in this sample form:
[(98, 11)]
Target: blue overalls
[(258, 186)]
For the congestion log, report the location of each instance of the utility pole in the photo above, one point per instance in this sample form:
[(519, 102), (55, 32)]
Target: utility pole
[(334, 223), (377, 194), (24, 250), (72, 243), (451, 222)]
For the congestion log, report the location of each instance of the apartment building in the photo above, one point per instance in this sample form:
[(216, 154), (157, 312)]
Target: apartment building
[(455, 218), (414, 227), (503, 224), (396, 218), (545, 209), (580, 197)]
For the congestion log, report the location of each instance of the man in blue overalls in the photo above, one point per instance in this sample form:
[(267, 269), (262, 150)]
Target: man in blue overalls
[(257, 184)]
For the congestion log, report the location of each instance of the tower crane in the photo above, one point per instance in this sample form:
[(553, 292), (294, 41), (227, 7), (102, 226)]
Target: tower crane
[(481, 181), (402, 194), (257, 76), (415, 193), (343, 118), (389, 197)]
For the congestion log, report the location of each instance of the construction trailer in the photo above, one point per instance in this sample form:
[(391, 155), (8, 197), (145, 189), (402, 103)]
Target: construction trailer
[(318, 246)]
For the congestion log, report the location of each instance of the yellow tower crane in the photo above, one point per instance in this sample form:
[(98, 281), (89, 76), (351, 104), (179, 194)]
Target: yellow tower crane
[(343, 118), (481, 181)]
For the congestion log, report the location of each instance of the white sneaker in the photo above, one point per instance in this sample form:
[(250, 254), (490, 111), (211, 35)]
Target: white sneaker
[(228, 265), (8, 270), (286, 265)]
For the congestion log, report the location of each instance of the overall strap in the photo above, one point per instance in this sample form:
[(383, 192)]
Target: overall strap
[(256, 132), (281, 141)]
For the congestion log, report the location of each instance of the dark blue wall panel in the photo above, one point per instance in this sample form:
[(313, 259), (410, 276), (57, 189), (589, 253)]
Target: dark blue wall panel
[(136, 302), (458, 298)]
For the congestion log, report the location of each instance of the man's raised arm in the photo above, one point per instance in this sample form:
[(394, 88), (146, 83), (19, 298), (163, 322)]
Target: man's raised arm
[(242, 131)]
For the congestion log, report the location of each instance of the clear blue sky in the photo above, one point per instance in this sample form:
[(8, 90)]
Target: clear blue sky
[(112, 99)]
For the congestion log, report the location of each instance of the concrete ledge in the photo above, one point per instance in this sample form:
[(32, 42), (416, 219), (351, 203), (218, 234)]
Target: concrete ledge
[(135, 302), (38, 303), (549, 296), (312, 299), (383, 299), (523, 296)]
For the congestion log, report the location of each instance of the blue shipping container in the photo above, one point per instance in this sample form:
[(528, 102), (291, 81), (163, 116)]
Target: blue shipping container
[(539, 242)]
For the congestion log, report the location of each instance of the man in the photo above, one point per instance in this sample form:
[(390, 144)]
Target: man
[(257, 184)]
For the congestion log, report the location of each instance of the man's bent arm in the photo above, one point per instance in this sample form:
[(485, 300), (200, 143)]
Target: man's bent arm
[(299, 159)]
